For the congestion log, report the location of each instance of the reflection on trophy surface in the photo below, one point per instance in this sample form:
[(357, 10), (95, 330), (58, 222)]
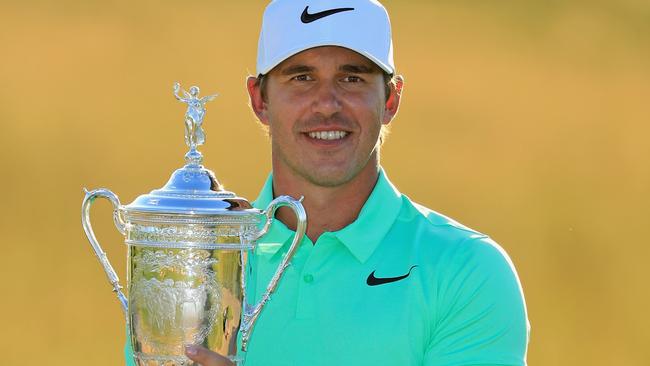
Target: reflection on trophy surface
[(184, 296), (187, 243)]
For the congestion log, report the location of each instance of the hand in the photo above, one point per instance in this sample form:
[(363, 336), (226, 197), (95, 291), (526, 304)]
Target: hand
[(205, 357)]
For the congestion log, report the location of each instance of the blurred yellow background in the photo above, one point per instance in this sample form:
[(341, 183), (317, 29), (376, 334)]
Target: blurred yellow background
[(527, 120)]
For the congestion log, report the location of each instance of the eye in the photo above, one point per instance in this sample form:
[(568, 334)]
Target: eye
[(352, 79), (302, 77)]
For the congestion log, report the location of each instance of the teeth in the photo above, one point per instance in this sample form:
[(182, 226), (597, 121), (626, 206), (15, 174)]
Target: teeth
[(328, 135)]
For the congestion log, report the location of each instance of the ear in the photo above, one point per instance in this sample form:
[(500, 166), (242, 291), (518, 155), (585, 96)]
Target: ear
[(393, 100), (257, 103)]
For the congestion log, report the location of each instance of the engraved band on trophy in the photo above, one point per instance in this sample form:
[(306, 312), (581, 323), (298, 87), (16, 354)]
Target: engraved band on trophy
[(187, 243)]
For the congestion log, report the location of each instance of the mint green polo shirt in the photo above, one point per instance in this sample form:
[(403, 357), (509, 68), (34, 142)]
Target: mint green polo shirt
[(401, 285)]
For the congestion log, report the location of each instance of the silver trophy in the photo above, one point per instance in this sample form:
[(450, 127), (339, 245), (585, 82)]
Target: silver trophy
[(187, 244)]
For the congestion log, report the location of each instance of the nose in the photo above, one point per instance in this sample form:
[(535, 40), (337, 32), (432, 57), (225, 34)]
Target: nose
[(326, 101)]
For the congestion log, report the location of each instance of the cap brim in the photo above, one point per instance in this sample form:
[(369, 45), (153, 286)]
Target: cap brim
[(279, 59)]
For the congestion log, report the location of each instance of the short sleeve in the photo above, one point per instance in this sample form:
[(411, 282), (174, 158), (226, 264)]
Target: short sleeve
[(480, 310)]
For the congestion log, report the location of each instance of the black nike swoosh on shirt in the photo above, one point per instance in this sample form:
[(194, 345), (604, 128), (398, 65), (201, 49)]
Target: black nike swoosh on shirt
[(305, 17), (374, 281)]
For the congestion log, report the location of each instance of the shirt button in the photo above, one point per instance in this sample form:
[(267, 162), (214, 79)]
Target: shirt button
[(308, 278)]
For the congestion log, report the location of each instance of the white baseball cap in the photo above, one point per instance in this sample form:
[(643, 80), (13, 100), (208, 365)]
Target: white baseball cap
[(292, 26)]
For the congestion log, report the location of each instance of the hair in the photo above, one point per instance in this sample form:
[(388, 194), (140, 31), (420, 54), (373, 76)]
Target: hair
[(390, 83)]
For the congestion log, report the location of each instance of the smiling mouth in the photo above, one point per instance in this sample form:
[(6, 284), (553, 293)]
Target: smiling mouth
[(328, 135)]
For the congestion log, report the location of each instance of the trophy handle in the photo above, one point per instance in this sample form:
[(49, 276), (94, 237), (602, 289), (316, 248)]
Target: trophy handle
[(251, 313), (101, 255)]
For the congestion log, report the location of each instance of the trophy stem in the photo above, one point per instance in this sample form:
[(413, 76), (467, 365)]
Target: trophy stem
[(194, 157)]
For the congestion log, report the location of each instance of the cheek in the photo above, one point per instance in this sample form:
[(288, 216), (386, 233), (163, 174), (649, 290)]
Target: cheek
[(367, 108), (287, 107), (281, 122)]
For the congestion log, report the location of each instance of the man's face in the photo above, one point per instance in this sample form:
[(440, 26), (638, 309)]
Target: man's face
[(325, 107)]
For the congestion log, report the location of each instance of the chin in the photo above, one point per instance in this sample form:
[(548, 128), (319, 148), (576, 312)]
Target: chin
[(329, 178)]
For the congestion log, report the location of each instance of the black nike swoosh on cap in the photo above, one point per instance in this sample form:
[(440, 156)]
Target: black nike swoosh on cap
[(305, 17), (374, 281)]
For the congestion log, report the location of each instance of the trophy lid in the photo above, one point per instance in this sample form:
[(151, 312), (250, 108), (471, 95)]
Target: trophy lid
[(192, 189)]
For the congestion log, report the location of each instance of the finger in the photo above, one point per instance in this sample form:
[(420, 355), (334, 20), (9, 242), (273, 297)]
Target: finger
[(205, 357)]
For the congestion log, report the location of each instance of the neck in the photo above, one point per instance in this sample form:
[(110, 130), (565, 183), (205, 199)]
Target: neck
[(328, 208)]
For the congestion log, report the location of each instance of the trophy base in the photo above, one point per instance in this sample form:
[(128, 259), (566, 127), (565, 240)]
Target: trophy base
[(142, 359)]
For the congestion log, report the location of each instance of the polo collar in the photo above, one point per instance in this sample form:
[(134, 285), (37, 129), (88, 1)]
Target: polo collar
[(362, 236)]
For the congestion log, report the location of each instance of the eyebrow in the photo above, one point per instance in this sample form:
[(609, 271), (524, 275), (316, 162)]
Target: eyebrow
[(357, 69), (297, 69)]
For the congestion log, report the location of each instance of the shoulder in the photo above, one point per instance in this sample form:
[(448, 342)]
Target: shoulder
[(450, 246), (437, 220), (473, 291), (435, 228)]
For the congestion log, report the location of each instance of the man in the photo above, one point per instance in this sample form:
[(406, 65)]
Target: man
[(378, 280)]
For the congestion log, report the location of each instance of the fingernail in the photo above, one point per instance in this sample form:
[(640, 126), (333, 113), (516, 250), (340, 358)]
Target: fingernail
[(191, 350)]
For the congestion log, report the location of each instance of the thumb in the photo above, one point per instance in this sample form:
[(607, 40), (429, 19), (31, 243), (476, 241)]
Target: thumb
[(205, 357)]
